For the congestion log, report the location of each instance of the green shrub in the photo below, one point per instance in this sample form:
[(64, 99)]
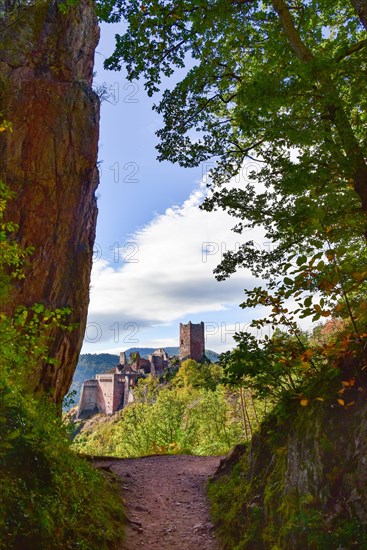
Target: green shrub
[(168, 420)]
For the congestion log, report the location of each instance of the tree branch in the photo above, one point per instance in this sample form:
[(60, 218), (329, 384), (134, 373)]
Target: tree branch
[(352, 49), (298, 46)]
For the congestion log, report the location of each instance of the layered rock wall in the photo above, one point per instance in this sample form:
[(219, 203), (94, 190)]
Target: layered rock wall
[(301, 483), (49, 160)]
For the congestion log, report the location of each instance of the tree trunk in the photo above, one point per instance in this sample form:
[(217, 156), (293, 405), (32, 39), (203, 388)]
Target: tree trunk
[(361, 9), (49, 160)]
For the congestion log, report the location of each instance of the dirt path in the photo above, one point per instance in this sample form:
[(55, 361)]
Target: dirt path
[(166, 503)]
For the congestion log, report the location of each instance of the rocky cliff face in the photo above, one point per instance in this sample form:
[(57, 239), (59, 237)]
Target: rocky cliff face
[(301, 483), (49, 160)]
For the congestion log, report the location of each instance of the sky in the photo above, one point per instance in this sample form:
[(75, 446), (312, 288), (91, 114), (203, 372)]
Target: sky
[(155, 249)]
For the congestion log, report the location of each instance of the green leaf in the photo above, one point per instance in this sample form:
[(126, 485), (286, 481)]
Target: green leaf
[(301, 260)]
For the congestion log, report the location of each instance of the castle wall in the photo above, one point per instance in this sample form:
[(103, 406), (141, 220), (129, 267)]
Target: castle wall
[(118, 393), (105, 382), (184, 340), (158, 363), (112, 392), (197, 341), (130, 397), (142, 364), (89, 400)]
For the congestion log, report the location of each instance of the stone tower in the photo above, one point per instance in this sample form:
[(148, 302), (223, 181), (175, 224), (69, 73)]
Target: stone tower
[(192, 341)]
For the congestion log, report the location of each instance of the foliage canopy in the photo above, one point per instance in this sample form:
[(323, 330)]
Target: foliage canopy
[(282, 84)]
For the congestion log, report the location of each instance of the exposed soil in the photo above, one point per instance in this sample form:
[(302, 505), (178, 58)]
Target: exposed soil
[(165, 501)]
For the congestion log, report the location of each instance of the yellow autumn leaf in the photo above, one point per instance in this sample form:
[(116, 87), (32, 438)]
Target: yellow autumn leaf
[(304, 402), (359, 276), (307, 354), (6, 125), (341, 402), (320, 399), (325, 313), (326, 285), (349, 383)]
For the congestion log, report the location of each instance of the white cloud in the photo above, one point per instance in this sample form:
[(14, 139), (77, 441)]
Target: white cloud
[(167, 273), (166, 277)]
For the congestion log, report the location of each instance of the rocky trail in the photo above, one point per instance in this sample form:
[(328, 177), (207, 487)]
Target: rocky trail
[(165, 501)]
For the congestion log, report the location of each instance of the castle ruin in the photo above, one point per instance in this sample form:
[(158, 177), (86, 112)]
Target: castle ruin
[(111, 391)]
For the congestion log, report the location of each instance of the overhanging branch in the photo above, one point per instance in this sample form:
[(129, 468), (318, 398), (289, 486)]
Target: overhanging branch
[(352, 49)]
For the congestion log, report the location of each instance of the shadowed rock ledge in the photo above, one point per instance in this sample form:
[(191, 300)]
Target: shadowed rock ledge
[(301, 482), (49, 160)]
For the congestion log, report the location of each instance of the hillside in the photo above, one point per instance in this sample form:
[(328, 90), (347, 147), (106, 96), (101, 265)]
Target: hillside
[(90, 364)]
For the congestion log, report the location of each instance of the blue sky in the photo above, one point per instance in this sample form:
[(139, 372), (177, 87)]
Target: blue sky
[(155, 250)]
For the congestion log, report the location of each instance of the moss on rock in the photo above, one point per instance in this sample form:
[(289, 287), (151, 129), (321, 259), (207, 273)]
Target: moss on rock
[(300, 485)]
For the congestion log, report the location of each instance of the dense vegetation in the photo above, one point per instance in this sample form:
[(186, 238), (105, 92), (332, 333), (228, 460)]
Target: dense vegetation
[(49, 497), (194, 413), (292, 486)]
